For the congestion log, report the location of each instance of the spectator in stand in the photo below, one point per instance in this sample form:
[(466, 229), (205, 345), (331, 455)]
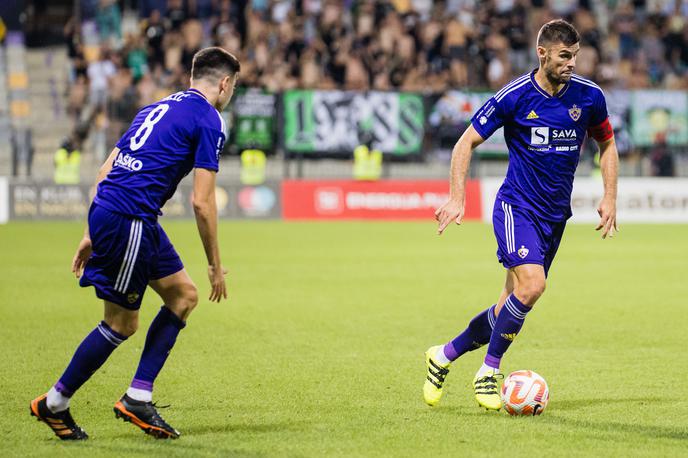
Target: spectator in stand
[(99, 73)]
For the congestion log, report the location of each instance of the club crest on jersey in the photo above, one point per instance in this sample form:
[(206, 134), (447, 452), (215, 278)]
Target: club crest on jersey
[(575, 112), (523, 252)]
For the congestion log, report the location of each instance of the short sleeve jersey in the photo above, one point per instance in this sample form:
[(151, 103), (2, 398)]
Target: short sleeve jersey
[(166, 140), (544, 134)]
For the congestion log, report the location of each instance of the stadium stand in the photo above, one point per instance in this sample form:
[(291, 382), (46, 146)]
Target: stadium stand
[(118, 56)]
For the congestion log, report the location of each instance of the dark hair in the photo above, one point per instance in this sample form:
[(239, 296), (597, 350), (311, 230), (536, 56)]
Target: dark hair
[(214, 63), (558, 31)]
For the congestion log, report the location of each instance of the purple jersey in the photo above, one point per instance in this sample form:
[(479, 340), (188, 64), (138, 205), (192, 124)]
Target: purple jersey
[(544, 135), (164, 142)]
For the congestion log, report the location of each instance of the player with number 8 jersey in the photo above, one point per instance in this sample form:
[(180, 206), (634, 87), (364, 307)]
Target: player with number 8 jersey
[(124, 249), (164, 142)]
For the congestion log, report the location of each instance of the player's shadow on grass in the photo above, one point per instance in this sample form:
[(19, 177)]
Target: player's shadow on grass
[(458, 411), (228, 428), (243, 427), (577, 404), (606, 427), (164, 449)]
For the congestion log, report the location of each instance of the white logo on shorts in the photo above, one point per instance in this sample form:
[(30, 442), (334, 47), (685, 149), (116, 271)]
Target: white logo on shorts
[(523, 252)]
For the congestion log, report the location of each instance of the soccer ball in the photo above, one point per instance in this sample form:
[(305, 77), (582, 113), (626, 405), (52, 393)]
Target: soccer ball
[(525, 393)]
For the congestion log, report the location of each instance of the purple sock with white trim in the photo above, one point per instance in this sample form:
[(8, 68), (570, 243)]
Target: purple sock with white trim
[(93, 351), (475, 336), (160, 339), (506, 328)]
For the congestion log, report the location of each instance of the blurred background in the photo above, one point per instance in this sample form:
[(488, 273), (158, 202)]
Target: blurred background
[(359, 90)]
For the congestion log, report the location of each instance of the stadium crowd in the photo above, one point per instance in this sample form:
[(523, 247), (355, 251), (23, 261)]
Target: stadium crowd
[(410, 45)]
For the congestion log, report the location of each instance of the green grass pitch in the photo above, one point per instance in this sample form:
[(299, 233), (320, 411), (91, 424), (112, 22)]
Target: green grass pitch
[(319, 351)]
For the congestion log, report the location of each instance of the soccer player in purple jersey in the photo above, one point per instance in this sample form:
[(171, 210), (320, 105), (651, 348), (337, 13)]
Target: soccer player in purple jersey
[(546, 115), (124, 248)]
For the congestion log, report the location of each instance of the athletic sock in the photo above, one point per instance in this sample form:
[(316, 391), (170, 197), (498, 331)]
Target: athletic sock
[(507, 326), (93, 351), (475, 336), (160, 339), (139, 394), (485, 370), (56, 401)]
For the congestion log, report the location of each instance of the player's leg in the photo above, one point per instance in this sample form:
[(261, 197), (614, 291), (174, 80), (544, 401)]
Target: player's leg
[(117, 242), (521, 249), (529, 286), (439, 358), (53, 408), (179, 296), (529, 282)]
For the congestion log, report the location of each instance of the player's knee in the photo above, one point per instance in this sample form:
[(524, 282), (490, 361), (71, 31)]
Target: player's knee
[(126, 326), (188, 300), (531, 291), (191, 296)]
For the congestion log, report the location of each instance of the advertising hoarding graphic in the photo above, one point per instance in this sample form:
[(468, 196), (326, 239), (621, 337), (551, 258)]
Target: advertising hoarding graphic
[(42, 201), (455, 110), (657, 115), (393, 199), (640, 200), (254, 114), (258, 201), (333, 121), (4, 200)]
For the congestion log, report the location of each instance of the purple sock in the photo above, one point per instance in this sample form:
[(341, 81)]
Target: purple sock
[(475, 336), (160, 339), (89, 356), (507, 326)]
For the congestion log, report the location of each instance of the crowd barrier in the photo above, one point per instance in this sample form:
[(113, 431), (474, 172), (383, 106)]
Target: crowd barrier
[(640, 200)]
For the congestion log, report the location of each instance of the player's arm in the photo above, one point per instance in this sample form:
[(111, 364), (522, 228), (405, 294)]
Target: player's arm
[(205, 210), (609, 166), (453, 209), (83, 251)]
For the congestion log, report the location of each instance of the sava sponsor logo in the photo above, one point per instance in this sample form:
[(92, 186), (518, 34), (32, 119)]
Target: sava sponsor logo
[(539, 135), (128, 162), (543, 135)]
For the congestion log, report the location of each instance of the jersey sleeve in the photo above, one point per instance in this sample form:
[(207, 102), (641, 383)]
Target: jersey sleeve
[(600, 128), (490, 117), (210, 140)]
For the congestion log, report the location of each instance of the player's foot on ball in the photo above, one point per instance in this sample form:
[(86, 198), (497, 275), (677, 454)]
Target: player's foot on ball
[(62, 423), (145, 416), (436, 374), (487, 390)]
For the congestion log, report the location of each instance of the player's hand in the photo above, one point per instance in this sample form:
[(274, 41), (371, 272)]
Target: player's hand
[(607, 212), (83, 252), (217, 283), (452, 210)]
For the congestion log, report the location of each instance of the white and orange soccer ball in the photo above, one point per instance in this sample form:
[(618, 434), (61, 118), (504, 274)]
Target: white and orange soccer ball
[(525, 393)]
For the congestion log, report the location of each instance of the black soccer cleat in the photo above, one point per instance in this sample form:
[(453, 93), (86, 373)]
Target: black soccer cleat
[(145, 416), (62, 423)]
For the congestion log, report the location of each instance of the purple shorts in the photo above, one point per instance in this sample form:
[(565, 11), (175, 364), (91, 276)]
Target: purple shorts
[(127, 254), (523, 237)]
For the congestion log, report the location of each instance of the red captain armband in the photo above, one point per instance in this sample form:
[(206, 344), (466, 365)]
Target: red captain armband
[(603, 132)]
